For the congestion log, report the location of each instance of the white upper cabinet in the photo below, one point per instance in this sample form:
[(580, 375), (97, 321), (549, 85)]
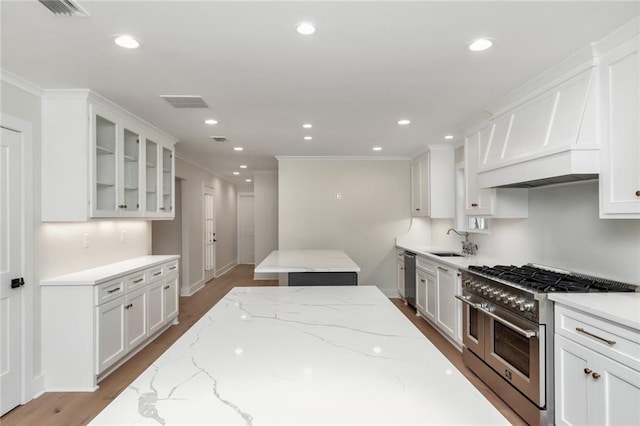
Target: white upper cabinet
[(620, 158), (99, 161), (433, 183), (499, 203)]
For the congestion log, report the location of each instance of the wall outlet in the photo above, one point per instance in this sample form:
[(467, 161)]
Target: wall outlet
[(85, 240), (122, 237)]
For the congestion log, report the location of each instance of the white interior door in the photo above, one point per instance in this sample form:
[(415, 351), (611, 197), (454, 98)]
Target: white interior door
[(10, 271), (209, 233), (246, 234)]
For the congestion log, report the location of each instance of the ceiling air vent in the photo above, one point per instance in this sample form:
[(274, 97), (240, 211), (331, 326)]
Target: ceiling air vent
[(65, 7), (185, 101), (219, 138)]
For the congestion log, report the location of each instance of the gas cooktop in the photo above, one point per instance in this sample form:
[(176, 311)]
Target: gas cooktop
[(542, 280)]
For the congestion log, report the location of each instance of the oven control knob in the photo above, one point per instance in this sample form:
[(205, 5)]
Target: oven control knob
[(511, 299), (519, 303), (528, 306)]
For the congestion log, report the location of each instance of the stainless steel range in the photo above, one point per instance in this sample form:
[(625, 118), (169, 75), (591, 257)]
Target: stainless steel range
[(508, 330)]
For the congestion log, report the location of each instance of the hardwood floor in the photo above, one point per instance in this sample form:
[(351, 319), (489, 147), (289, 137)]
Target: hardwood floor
[(78, 408)]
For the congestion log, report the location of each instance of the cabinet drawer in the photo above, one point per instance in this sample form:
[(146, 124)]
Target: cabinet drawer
[(609, 339), (171, 267), (137, 280), (427, 265), (156, 273), (109, 290)]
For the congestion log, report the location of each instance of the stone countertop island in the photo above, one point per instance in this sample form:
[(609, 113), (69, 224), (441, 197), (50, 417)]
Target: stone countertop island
[(301, 356)]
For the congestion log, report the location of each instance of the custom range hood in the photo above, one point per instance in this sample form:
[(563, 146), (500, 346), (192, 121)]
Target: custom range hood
[(544, 133)]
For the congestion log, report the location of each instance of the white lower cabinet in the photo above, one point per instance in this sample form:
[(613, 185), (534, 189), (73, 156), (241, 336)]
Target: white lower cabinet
[(596, 383), (436, 287), (93, 320)]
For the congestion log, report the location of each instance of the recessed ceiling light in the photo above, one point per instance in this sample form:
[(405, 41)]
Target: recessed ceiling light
[(211, 121), (307, 126), (306, 28), (243, 166), (480, 44), (236, 173), (448, 137), (247, 180), (127, 41), (404, 122), (377, 148), (308, 138), (238, 148)]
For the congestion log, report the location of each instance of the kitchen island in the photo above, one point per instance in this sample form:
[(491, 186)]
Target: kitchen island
[(297, 356), (310, 267)]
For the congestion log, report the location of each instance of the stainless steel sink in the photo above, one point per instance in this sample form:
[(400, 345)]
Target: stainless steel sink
[(446, 254)]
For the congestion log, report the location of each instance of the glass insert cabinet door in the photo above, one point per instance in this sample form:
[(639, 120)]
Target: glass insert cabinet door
[(167, 180), (152, 179), (131, 172), (105, 173)]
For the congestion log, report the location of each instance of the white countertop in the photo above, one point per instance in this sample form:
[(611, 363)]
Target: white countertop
[(456, 262), (302, 355), (307, 261), (104, 273), (621, 308)]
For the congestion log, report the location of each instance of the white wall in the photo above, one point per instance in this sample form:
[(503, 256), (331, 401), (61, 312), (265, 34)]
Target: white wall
[(563, 230), (265, 199), (166, 235), (374, 210), (194, 181)]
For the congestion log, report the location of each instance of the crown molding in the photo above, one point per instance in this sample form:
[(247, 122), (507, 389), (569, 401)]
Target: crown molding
[(343, 158), (21, 83)]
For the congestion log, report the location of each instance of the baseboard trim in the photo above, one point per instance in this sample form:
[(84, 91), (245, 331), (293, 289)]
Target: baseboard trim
[(226, 268), (192, 289)]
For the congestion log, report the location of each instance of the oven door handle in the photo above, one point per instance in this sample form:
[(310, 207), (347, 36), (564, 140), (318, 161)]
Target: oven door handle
[(527, 333), (464, 300)]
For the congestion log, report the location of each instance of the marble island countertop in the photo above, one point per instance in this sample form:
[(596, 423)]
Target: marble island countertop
[(282, 261), (299, 356)]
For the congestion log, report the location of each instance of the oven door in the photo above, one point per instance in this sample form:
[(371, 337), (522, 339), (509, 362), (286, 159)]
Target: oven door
[(514, 348), (472, 324)]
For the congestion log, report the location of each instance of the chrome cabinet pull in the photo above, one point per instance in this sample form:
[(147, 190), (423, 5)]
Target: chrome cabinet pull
[(582, 330), (113, 290)]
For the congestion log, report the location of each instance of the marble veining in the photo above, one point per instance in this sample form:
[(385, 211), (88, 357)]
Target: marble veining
[(301, 356)]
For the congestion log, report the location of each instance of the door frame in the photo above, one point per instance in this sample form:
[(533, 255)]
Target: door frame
[(31, 386), (238, 196), (208, 275)]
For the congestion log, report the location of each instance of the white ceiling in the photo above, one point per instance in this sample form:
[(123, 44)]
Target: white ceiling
[(368, 65)]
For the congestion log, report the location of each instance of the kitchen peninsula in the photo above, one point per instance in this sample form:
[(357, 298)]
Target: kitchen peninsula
[(310, 267), (301, 355)]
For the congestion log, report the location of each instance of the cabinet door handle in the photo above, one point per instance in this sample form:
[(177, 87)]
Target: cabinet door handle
[(443, 269), (130, 305), (638, 193), (474, 204), (113, 290), (139, 280), (157, 273), (162, 208), (167, 287), (422, 281), (582, 330), (587, 370), (172, 268), (595, 375), (417, 210)]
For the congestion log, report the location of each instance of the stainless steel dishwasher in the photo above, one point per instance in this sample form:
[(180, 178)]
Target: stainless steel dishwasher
[(410, 278)]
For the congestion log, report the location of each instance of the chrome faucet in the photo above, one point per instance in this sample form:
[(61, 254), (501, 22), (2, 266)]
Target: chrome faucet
[(467, 246)]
